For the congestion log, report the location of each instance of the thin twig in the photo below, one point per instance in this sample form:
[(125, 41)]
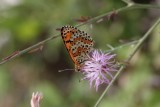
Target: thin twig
[(28, 49), (134, 6), (141, 40), (126, 8), (128, 2), (121, 46)]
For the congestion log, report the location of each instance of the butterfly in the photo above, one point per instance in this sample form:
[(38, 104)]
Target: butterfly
[(78, 44)]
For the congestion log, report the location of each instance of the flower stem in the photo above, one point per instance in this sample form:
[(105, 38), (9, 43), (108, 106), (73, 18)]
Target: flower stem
[(141, 40), (128, 7), (109, 85)]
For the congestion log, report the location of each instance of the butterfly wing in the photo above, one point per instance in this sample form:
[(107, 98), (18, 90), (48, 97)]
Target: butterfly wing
[(78, 43)]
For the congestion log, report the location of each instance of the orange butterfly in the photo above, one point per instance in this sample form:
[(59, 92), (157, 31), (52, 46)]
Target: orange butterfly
[(78, 43)]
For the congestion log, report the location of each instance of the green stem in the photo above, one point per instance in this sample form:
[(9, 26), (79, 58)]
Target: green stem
[(141, 40), (121, 46), (133, 6)]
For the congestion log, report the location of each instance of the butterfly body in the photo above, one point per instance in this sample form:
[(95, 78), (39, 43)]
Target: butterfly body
[(78, 43)]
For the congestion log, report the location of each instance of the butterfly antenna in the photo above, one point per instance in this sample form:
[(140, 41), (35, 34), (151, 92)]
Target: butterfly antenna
[(66, 70)]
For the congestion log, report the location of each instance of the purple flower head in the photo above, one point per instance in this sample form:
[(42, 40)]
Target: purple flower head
[(97, 69)]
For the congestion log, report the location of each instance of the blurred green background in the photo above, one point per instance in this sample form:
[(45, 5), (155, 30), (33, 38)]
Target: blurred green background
[(26, 22)]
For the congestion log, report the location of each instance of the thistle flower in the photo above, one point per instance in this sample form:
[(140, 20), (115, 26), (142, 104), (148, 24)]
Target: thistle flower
[(97, 69), (36, 98)]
